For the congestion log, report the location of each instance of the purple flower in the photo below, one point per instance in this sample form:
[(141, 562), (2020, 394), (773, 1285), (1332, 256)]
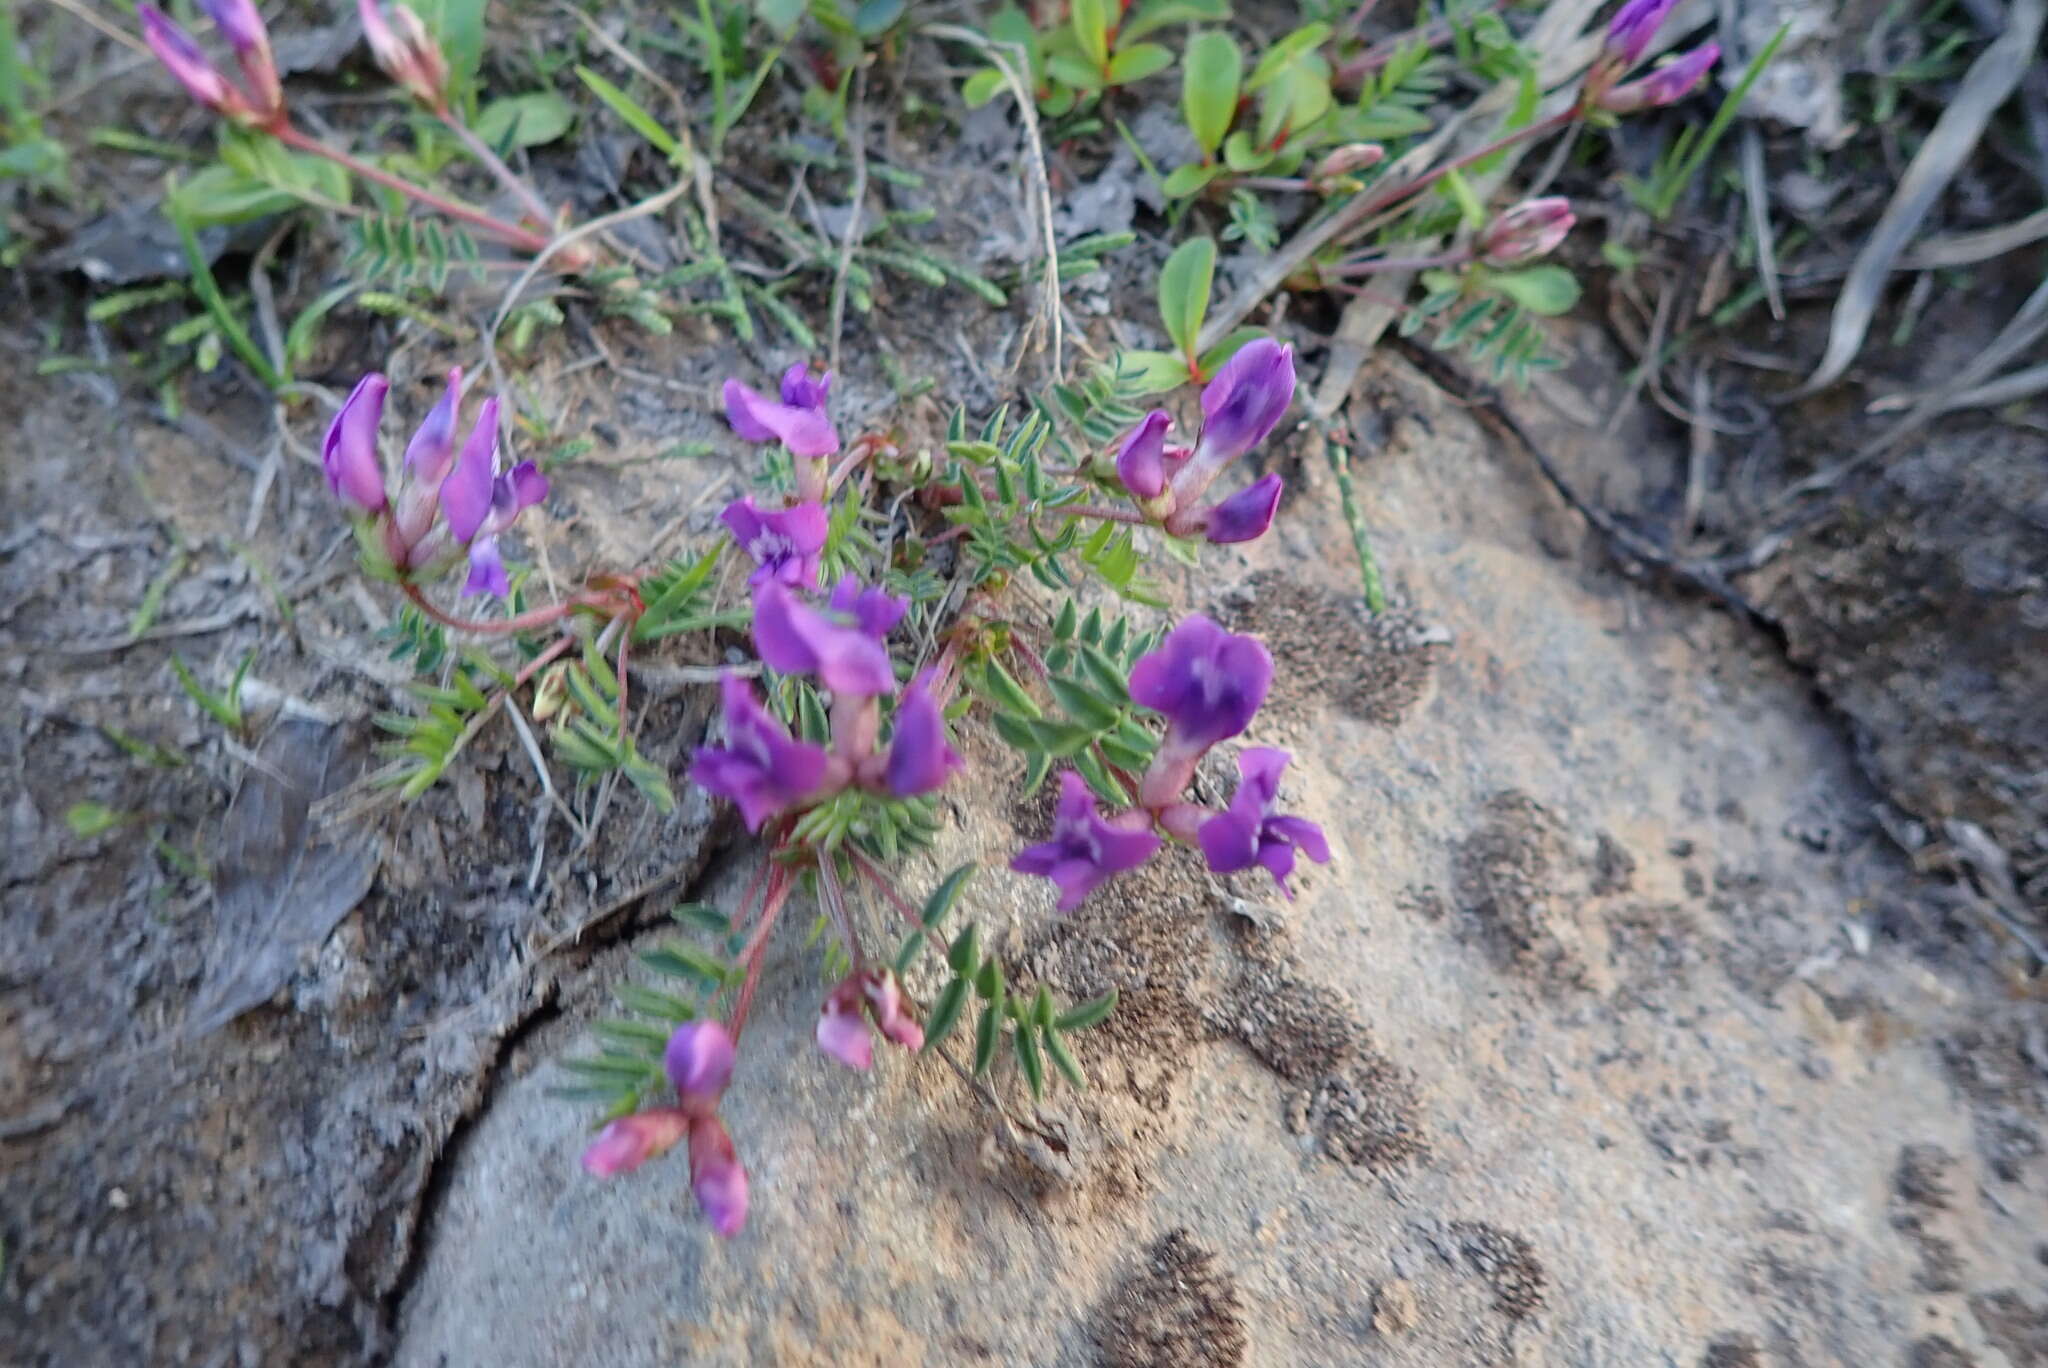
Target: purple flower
[(1634, 25), (631, 1141), (239, 22), (800, 426), (1207, 682), (876, 610), (512, 493), (802, 390), (1239, 407), (717, 1178), (349, 454), (1085, 849), (1666, 85), (406, 51), (1526, 231), (794, 638), (1141, 461), (466, 491), (760, 766), (843, 1021), (183, 58), (699, 1063), (1245, 515), (1251, 833), (432, 447), (784, 543), (920, 757)]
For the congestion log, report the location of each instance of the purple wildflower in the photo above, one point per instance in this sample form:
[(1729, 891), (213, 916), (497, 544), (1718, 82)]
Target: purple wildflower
[(1526, 231), (785, 543), (432, 448), (1666, 85), (801, 389), (1239, 407), (1250, 832), (1085, 849), (800, 426), (1141, 461), (182, 57), (349, 453), (1245, 515), (760, 766), (242, 26), (1207, 683), (794, 638), (877, 611), (466, 490), (631, 1141), (921, 759), (1635, 24), (717, 1178), (699, 1063)]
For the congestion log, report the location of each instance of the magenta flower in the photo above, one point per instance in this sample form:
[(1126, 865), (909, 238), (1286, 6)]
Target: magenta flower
[(1528, 230), (1245, 515), (182, 57), (1250, 832), (428, 458), (1634, 25), (785, 543), (843, 1022), (717, 1178), (1141, 460), (847, 657), (242, 26), (480, 503), (699, 1062), (760, 766), (921, 758), (1085, 849), (406, 51), (1668, 84), (349, 454), (798, 421), (631, 1141), (1239, 407)]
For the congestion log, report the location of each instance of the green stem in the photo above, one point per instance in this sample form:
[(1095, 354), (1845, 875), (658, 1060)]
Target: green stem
[(1368, 566)]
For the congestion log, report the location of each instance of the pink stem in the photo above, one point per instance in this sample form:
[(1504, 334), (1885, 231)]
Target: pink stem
[(518, 237), (481, 150), (757, 946), (538, 617)]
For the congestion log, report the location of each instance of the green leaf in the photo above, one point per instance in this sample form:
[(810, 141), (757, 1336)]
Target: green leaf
[(1546, 290), (952, 1001), (983, 86), (876, 17), (1212, 70), (1244, 156), (1090, 20), (1090, 1013), (1157, 15), (1085, 706), (965, 951), (635, 116), (945, 895), (1033, 1063), (88, 820), (1138, 61), (1459, 191), (1185, 180), (1002, 687), (458, 25), (1184, 290), (989, 980), (1074, 72), (988, 1033), (1062, 1058), (524, 120), (685, 962), (1153, 372), (1299, 44)]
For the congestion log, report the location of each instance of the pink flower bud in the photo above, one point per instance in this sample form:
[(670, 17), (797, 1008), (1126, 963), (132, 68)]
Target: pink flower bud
[(1635, 24), (1666, 85), (1141, 460), (892, 1018), (631, 1141), (242, 26), (406, 51), (843, 1030), (717, 1178), (183, 59), (1529, 230), (1351, 157)]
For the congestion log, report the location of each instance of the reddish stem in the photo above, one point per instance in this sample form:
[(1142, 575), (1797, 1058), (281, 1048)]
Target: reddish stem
[(538, 617), (757, 945), (875, 876), (477, 218)]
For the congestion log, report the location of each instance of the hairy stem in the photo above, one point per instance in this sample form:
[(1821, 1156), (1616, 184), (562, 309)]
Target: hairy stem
[(476, 218)]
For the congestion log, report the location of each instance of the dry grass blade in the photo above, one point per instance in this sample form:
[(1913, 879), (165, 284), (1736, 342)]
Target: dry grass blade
[(1987, 85)]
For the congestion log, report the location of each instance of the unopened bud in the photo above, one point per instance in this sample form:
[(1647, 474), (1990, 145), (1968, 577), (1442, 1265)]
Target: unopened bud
[(406, 51), (182, 57), (1668, 84), (1345, 160), (1529, 230), (242, 26)]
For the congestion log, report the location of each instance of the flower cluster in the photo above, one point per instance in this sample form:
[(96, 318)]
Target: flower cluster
[(259, 101), (1629, 37), (1534, 228), (1239, 407), (839, 642), (698, 1062), (448, 503), (1207, 684)]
